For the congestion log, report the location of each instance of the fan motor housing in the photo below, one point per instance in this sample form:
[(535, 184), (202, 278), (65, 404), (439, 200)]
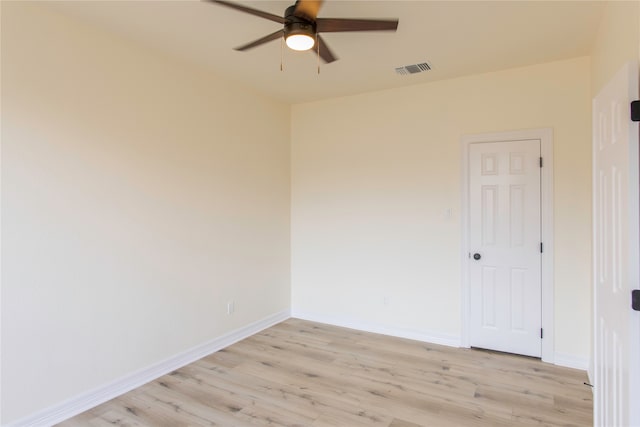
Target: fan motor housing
[(297, 25)]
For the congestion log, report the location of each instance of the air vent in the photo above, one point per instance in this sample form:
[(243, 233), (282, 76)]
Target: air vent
[(413, 69)]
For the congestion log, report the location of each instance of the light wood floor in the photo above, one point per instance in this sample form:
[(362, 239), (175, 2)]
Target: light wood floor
[(301, 373)]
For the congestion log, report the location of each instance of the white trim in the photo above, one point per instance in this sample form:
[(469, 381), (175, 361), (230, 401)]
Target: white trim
[(572, 361), (546, 146), (78, 404), (352, 323)]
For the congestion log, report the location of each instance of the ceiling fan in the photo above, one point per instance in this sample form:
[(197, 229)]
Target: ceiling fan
[(302, 27)]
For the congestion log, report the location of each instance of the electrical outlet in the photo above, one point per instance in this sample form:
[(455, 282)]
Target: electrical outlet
[(386, 301), (231, 307)]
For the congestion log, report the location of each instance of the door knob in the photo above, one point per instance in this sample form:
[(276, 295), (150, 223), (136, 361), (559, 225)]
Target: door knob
[(477, 256)]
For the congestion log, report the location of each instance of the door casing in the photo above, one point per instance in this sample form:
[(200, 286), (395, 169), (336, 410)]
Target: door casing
[(545, 135)]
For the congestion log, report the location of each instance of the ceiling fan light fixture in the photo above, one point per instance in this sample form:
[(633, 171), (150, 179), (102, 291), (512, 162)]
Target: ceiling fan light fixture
[(299, 33), (300, 41), (302, 27)]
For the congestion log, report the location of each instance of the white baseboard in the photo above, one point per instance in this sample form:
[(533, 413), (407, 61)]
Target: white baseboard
[(424, 336), (76, 405), (571, 361)]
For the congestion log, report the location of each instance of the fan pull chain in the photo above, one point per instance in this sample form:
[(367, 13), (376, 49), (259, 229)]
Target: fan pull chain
[(318, 46), (281, 53)]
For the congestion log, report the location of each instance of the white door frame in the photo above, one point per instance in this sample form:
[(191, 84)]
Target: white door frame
[(545, 136)]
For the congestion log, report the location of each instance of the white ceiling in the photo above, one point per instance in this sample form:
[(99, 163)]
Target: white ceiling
[(456, 38)]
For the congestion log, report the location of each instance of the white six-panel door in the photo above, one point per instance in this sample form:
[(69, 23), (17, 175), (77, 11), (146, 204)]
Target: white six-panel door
[(504, 240), (616, 253)]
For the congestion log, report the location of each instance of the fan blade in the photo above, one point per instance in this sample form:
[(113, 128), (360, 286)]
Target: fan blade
[(263, 40), (308, 9), (249, 10), (334, 25), (325, 53)]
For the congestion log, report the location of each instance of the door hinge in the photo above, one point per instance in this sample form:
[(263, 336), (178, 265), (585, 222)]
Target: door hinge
[(635, 111), (541, 248), (635, 299), (541, 333), (541, 162)]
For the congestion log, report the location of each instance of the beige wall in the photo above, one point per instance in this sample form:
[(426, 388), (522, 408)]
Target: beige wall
[(374, 174), (617, 41), (139, 195)]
